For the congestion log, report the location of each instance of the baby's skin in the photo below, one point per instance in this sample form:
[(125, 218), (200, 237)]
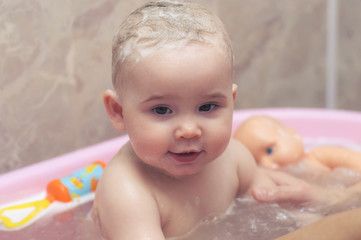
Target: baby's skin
[(181, 165), (137, 201)]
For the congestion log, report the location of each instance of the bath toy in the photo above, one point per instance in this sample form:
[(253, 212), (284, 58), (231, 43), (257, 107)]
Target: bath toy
[(66, 189), (274, 145)]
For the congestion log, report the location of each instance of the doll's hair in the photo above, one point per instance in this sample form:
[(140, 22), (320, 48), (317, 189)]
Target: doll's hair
[(166, 24)]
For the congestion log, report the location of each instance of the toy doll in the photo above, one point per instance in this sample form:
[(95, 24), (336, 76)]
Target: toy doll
[(275, 145)]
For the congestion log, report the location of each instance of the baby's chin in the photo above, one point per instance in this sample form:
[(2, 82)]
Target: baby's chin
[(175, 172)]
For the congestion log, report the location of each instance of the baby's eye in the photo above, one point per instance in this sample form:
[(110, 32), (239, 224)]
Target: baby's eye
[(269, 150), (162, 110), (207, 107)]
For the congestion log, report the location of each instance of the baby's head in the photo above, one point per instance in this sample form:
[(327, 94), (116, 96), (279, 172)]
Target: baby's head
[(172, 74), (166, 25)]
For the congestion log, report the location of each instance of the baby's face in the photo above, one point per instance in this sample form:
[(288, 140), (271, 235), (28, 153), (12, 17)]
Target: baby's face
[(177, 108)]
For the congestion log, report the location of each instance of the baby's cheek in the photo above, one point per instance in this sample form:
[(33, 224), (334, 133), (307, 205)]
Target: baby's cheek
[(150, 143), (220, 139), (148, 134)]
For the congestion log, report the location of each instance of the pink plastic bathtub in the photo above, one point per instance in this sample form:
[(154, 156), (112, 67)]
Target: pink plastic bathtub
[(311, 123)]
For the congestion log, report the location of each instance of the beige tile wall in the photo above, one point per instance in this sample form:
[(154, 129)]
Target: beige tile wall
[(55, 65), (349, 52)]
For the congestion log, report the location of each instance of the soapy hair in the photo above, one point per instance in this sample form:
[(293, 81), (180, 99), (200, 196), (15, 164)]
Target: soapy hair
[(166, 24)]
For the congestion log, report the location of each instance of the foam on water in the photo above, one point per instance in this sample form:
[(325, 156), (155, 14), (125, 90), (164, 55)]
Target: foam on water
[(247, 220)]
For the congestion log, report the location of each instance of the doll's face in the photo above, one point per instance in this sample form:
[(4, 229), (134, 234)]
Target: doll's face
[(272, 143)]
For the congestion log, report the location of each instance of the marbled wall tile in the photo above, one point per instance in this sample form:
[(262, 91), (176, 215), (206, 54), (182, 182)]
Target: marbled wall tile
[(52, 80), (280, 52), (349, 56)]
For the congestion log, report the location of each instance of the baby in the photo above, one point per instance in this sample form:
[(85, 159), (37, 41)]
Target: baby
[(172, 74)]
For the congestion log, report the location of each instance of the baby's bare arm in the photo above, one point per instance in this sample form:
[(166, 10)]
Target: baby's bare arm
[(126, 209), (250, 176), (246, 167)]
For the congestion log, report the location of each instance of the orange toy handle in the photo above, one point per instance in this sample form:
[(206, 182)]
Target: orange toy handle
[(77, 184)]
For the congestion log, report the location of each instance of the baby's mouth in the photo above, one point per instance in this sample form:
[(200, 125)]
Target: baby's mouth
[(186, 153), (185, 157)]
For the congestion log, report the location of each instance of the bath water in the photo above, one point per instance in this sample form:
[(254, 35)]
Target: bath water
[(245, 220), (68, 225)]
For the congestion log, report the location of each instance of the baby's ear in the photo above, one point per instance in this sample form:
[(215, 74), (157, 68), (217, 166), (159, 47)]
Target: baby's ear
[(234, 91), (114, 109)]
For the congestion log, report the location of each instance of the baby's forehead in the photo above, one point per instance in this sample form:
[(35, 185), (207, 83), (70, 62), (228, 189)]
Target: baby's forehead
[(177, 49), (180, 56), (174, 52), (186, 60)]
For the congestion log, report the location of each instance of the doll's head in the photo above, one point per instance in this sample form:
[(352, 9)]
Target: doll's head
[(272, 144), (166, 25)]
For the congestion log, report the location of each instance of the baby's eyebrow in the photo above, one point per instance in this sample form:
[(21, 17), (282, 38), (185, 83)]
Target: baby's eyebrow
[(156, 97), (215, 95)]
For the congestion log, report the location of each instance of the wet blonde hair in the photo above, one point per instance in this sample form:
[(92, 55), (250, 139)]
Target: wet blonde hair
[(166, 24)]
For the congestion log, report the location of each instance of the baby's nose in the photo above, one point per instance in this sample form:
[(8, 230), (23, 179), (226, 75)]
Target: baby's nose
[(188, 130)]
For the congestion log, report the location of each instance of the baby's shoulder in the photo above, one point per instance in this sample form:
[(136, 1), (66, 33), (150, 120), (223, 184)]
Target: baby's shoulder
[(122, 196), (244, 163), (240, 158), (123, 184), (236, 150), (123, 169)]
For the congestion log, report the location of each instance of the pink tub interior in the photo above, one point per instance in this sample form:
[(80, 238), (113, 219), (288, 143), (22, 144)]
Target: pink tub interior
[(310, 123)]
